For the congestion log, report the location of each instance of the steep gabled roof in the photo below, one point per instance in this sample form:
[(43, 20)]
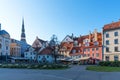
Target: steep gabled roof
[(67, 39), (42, 41), (66, 46), (38, 42)]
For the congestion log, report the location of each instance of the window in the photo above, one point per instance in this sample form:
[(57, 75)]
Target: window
[(6, 47), (116, 49), (93, 54), (73, 51), (84, 50), (96, 49), (96, 43), (47, 56), (92, 49), (79, 56), (76, 43), (116, 58), (88, 55), (115, 41), (107, 35), (86, 43), (97, 54), (0, 40), (0, 46), (84, 55), (115, 33), (107, 49), (88, 49), (107, 58), (107, 42)]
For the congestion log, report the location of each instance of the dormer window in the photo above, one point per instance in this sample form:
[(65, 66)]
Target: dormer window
[(66, 39), (96, 43), (73, 51), (75, 43), (87, 44)]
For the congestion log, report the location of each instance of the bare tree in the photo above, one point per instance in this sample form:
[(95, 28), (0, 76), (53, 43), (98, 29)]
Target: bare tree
[(54, 44)]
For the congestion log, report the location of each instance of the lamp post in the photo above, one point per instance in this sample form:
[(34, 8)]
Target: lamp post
[(6, 56)]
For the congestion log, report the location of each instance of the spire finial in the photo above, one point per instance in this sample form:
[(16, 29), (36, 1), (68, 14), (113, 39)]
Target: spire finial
[(23, 37), (36, 37)]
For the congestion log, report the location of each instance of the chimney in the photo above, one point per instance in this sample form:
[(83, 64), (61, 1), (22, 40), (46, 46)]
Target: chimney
[(89, 36), (72, 35), (95, 34)]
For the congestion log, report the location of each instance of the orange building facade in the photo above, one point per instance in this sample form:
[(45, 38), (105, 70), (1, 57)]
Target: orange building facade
[(85, 48)]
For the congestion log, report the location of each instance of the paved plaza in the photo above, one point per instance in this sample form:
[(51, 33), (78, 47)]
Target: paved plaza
[(74, 73)]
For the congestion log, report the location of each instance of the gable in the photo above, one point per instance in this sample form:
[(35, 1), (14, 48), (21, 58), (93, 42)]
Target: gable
[(37, 43), (67, 39), (31, 49)]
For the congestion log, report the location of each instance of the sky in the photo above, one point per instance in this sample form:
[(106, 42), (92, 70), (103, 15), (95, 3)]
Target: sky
[(43, 18)]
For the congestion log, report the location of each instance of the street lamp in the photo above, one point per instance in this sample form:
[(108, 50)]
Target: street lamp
[(6, 56)]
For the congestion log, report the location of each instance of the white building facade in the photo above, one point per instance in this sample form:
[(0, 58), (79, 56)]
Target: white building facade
[(111, 42), (30, 54), (4, 44)]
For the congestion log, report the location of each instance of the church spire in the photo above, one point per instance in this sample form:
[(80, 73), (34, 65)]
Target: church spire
[(23, 37)]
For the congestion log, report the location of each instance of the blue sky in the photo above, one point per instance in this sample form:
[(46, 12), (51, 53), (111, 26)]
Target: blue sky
[(43, 18)]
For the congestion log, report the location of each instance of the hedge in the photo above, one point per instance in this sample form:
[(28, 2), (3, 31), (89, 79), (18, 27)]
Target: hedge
[(110, 63), (35, 66)]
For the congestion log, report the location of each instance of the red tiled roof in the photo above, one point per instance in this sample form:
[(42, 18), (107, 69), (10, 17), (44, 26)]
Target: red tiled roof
[(77, 50), (80, 39), (47, 50), (66, 45), (113, 25)]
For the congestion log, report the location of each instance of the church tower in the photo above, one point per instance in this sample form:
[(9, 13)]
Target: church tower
[(23, 37)]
